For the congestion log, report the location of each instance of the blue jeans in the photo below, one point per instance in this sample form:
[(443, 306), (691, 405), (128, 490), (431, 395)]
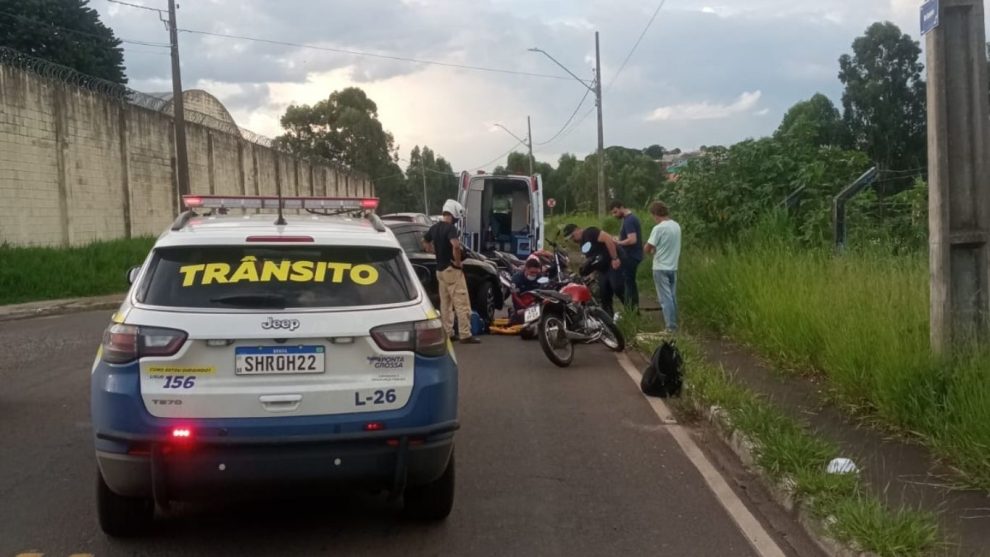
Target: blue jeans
[(666, 283)]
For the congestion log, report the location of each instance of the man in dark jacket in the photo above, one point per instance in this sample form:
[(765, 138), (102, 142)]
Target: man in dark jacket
[(610, 283)]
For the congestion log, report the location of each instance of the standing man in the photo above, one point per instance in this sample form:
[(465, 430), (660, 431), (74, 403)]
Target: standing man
[(631, 254), (602, 244), (665, 244), (443, 239)]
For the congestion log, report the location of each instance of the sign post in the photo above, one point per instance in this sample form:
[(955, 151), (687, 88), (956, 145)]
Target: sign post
[(551, 203)]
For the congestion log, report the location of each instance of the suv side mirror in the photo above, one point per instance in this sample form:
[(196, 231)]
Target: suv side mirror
[(132, 274)]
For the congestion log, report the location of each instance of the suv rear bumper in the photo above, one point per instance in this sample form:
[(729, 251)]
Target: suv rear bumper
[(175, 472)]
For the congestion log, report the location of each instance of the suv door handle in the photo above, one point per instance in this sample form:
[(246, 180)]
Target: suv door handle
[(280, 403)]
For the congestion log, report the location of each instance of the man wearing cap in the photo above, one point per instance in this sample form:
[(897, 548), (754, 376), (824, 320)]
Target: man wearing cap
[(602, 244)]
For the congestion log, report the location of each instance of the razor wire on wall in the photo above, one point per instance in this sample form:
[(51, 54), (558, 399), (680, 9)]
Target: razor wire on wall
[(63, 74)]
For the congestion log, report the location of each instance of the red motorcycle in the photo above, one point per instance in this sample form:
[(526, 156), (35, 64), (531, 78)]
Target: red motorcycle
[(567, 315)]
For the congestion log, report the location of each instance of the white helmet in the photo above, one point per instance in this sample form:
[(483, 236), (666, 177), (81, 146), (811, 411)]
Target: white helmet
[(454, 208)]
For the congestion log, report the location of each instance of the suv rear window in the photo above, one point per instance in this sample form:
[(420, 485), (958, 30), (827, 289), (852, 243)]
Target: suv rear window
[(411, 239), (226, 277)]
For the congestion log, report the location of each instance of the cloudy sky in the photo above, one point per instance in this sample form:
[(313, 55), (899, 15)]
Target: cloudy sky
[(706, 72)]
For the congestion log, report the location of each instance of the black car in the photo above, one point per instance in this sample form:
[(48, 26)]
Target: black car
[(482, 277)]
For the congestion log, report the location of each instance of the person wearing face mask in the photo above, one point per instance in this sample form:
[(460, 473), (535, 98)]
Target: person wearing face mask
[(525, 280)]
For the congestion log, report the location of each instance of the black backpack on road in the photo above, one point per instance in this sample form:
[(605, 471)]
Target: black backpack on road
[(664, 377)]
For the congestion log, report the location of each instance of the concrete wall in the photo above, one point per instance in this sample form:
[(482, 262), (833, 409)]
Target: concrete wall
[(76, 167)]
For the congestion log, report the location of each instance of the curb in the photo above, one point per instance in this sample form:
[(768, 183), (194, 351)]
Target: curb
[(782, 492), (59, 307)]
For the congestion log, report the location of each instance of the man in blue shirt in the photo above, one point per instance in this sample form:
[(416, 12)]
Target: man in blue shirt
[(631, 255)]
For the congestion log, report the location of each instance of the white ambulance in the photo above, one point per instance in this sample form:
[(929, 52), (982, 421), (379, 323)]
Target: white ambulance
[(503, 213)]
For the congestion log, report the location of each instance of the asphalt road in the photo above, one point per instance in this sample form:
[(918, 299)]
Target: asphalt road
[(550, 462)]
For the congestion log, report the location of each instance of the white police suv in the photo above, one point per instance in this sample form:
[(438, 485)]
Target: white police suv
[(257, 352)]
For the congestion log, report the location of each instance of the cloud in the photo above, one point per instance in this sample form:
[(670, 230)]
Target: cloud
[(706, 110), (781, 50)]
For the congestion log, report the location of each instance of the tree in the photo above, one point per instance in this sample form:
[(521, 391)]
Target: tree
[(884, 99), (814, 122), (634, 177), (655, 152), (441, 183), (345, 129), (65, 32)]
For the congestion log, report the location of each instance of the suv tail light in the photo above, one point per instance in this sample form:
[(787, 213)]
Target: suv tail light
[(126, 343), (425, 338)]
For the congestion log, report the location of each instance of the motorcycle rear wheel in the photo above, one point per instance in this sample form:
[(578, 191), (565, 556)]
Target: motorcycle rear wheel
[(553, 340)]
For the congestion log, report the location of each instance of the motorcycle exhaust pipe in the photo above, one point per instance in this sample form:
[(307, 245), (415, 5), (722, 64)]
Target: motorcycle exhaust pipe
[(579, 337)]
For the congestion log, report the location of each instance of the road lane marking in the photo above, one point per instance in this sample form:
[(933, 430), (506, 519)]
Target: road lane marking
[(750, 527), (31, 554)]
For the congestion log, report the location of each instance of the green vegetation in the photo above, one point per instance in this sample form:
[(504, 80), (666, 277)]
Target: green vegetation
[(861, 321), (66, 32), (790, 455), (29, 274)]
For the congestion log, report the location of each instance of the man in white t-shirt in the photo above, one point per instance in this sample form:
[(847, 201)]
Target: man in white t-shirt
[(665, 245)]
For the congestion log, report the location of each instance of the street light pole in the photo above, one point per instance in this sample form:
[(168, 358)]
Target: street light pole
[(529, 133), (596, 88), (527, 143), (178, 107), (601, 132)]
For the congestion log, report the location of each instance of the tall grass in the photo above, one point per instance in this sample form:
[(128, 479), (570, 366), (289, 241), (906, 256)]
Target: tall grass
[(29, 274), (861, 320)]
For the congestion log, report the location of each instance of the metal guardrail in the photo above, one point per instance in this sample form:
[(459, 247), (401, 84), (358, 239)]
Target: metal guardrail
[(839, 206)]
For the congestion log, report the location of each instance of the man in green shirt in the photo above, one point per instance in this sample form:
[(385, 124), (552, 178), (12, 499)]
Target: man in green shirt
[(665, 245)]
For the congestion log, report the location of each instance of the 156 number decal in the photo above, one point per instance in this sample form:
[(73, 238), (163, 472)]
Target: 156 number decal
[(387, 396), (179, 382)]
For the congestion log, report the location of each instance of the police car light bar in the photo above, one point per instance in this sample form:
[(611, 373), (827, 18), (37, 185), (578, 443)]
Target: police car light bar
[(272, 202)]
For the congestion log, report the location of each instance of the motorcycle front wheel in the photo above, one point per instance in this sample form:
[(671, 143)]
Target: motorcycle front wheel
[(553, 339), (611, 335)]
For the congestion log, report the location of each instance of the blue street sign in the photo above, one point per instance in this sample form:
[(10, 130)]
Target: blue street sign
[(929, 16)]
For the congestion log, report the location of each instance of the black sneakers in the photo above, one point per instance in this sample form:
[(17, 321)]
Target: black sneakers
[(471, 340)]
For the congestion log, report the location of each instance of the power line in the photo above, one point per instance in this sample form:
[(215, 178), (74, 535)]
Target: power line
[(442, 173), (636, 44), (481, 166), (373, 55), (579, 122), (562, 128), (50, 25), (149, 8)]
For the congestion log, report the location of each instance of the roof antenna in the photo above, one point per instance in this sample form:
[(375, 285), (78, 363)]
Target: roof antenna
[(280, 221)]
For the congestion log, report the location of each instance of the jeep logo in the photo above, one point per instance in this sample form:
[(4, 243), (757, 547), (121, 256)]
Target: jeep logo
[(272, 323)]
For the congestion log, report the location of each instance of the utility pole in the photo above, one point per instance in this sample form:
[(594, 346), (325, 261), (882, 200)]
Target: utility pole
[(178, 110), (422, 167), (595, 88), (601, 132), (958, 173), (529, 133)]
